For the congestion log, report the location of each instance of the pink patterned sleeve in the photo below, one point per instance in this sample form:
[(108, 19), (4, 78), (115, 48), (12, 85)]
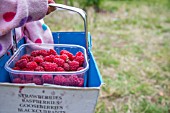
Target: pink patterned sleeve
[(37, 32), (15, 13)]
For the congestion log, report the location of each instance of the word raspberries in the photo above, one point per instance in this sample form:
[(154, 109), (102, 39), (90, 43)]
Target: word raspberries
[(50, 61)]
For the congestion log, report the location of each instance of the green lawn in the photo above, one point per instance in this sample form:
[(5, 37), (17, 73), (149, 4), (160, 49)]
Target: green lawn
[(131, 45)]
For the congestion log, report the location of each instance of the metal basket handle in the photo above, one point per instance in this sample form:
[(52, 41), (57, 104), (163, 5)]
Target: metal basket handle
[(65, 7), (81, 12)]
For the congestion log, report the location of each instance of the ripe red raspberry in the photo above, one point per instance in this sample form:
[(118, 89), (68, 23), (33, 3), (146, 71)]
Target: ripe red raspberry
[(31, 58), (70, 55), (48, 66), (79, 53), (23, 81), (21, 76), (63, 51), (43, 53), (66, 67), (74, 65), (30, 81), (27, 69), (39, 68), (37, 81), (80, 68), (38, 59), (35, 53), (16, 68), (29, 77), (21, 63), (16, 80), (80, 75), (64, 57), (31, 65), (59, 62), (73, 80), (57, 56), (52, 52), (81, 82), (26, 56), (60, 69), (79, 59), (47, 78), (49, 58), (42, 64), (59, 80)]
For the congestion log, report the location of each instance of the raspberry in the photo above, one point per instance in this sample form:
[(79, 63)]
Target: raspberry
[(26, 56), (47, 78), (27, 69), (81, 82), (79, 59), (79, 54), (31, 58), (66, 67), (23, 81), (59, 80), (39, 68), (80, 75), (80, 68), (49, 58), (43, 52), (38, 59), (16, 68), (59, 62), (63, 51), (73, 80), (64, 57), (74, 65), (21, 63), (42, 64), (21, 76), (29, 77), (48, 66), (70, 55), (60, 69), (52, 52), (37, 81), (57, 56), (37, 76), (16, 80), (30, 81), (66, 76), (31, 65), (35, 53)]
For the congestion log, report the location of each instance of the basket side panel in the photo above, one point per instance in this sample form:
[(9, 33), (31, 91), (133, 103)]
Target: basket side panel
[(77, 38)]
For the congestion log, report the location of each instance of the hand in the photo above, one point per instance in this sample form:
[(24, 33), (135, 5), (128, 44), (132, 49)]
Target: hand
[(50, 8)]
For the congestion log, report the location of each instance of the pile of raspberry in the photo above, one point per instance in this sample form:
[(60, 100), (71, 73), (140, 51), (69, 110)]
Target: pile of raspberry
[(50, 61)]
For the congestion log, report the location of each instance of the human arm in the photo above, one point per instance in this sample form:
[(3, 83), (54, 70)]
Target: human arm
[(15, 13)]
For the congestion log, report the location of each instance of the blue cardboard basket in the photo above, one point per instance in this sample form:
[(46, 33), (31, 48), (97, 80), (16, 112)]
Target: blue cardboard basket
[(83, 98), (78, 38)]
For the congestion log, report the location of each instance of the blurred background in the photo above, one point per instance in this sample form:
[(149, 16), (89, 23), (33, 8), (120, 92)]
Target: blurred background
[(131, 45)]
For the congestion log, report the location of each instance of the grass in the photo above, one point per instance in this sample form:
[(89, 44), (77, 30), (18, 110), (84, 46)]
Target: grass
[(131, 45)]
